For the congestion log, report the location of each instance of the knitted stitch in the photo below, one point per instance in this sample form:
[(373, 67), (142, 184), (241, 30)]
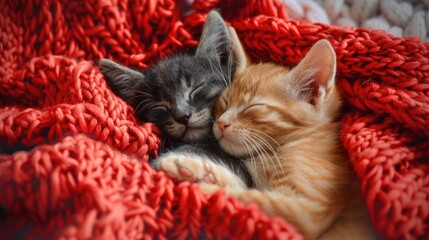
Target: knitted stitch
[(73, 160), (306, 10), (397, 17)]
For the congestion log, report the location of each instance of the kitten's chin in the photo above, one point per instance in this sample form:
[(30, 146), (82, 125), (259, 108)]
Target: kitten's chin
[(187, 134), (232, 147), (229, 144), (195, 134)]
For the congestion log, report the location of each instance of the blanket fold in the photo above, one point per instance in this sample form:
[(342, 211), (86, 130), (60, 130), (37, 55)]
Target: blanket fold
[(74, 158)]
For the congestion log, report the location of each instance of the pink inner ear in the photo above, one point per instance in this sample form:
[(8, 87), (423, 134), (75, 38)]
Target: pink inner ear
[(321, 58), (316, 72)]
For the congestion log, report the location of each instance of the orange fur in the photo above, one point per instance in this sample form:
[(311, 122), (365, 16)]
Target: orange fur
[(283, 122)]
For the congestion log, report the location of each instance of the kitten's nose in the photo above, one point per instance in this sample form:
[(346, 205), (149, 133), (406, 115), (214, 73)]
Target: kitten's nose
[(222, 125), (184, 119)]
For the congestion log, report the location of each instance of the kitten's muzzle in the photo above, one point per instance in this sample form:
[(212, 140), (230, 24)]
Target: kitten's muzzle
[(184, 119), (222, 126)]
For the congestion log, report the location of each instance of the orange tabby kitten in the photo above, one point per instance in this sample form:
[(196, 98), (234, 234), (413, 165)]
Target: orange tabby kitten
[(283, 123)]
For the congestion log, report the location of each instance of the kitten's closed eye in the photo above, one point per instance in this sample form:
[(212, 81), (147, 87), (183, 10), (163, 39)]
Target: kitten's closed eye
[(276, 100), (255, 107), (195, 90), (159, 113), (291, 145), (158, 108), (200, 93), (188, 85)]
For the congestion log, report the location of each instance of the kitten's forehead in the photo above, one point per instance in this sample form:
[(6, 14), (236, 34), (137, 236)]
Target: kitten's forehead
[(176, 78), (256, 82), (188, 69)]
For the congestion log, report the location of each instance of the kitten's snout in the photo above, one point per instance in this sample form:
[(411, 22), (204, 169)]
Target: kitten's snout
[(182, 113), (225, 120), (222, 126), (183, 119)]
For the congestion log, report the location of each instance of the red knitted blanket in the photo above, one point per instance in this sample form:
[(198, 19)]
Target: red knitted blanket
[(73, 158)]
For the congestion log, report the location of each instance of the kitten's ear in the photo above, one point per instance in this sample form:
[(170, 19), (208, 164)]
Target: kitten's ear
[(214, 41), (241, 58), (314, 76), (120, 79)]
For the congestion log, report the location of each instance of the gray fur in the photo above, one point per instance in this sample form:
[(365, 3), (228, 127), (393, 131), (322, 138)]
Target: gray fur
[(178, 93)]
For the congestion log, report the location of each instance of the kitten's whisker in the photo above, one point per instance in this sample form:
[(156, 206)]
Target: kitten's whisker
[(271, 149), (268, 145), (143, 102), (224, 79), (243, 140), (248, 151), (137, 96), (217, 72), (142, 94), (264, 134), (262, 155), (257, 140), (216, 67), (257, 149), (230, 65)]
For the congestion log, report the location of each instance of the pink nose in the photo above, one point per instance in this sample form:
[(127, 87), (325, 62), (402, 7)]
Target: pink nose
[(221, 125)]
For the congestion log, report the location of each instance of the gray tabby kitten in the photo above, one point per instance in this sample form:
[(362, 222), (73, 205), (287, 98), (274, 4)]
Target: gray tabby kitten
[(178, 94)]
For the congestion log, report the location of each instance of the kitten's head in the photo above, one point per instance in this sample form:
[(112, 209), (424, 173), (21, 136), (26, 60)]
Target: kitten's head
[(268, 105), (178, 93)]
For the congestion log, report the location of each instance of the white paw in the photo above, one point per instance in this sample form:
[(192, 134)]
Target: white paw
[(198, 169), (187, 167)]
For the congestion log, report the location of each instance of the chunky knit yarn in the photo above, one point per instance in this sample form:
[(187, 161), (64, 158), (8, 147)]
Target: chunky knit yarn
[(397, 17), (74, 159)]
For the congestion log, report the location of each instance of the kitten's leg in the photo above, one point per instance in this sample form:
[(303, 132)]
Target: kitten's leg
[(200, 169), (310, 217)]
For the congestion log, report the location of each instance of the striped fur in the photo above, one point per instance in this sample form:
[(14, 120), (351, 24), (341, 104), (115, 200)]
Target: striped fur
[(283, 123)]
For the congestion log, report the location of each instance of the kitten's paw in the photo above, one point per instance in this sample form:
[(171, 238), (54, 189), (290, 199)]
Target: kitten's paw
[(209, 188), (189, 168), (198, 169)]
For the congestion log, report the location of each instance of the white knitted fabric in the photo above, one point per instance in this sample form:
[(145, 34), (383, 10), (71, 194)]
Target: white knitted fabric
[(308, 10), (397, 17)]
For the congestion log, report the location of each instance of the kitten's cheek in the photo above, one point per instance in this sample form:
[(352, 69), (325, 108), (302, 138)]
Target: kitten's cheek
[(176, 130), (216, 132)]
